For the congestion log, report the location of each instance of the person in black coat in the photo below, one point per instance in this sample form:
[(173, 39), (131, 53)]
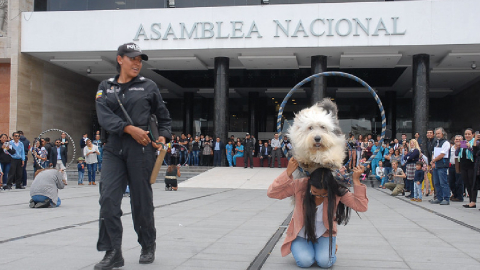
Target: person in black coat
[(54, 154), (248, 152), (218, 149), (265, 152)]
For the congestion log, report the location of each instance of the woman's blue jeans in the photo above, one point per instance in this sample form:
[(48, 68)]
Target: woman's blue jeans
[(92, 168), (5, 170), (195, 157), (307, 253)]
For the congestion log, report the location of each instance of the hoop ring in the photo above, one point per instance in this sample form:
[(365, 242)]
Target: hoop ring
[(69, 137)]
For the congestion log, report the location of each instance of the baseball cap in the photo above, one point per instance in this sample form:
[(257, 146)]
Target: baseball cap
[(131, 50)]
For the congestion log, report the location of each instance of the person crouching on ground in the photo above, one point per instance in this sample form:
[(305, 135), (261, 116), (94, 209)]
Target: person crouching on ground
[(321, 203), (171, 177), (44, 189), (398, 175)]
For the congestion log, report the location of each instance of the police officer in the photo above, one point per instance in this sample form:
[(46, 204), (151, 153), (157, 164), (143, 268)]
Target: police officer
[(129, 154)]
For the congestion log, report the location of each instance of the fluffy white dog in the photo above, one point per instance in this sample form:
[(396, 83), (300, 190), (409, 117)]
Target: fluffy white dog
[(316, 137)]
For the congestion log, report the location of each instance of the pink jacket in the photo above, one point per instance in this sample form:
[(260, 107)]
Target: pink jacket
[(285, 186)]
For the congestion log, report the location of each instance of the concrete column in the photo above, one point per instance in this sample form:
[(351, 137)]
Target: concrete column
[(391, 111), (220, 116), (318, 85), (188, 113), (253, 109), (421, 87)]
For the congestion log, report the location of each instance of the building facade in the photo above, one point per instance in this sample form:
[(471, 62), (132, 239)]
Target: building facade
[(223, 67)]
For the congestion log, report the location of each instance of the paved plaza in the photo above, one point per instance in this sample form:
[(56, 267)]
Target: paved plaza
[(222, 219)]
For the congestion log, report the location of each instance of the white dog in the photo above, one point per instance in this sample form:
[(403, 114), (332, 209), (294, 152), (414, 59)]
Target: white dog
[(316, 137)]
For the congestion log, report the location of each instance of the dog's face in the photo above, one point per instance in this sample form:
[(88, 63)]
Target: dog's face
[(314, 129), (316, 136)]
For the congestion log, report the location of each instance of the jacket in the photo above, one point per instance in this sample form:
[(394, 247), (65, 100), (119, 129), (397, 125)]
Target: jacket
[(6, 157), (261, 151), (140, 100), (284, 187), (54, 153), (19, 150)]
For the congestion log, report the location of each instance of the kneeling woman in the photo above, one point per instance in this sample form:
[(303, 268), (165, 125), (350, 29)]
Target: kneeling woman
[(321, 203)]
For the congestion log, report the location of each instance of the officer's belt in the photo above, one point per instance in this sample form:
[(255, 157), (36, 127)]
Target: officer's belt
[(170, 177)]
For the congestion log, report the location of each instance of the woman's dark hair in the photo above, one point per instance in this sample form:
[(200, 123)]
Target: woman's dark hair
[(395, 152), (322, 178), (471, 130), (170, 168)]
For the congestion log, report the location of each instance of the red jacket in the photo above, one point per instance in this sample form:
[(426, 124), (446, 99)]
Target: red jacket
[(285, 186)]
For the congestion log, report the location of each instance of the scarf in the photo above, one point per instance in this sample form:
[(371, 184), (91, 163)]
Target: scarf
[(468, 152)]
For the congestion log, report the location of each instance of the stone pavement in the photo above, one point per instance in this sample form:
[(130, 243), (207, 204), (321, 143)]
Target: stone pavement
[(222, 219)]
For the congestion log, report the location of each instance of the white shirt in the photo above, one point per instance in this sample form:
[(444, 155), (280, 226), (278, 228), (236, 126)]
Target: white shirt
[(443, 150), (320, 228), (92, 158), (276, 143), (380, 172)]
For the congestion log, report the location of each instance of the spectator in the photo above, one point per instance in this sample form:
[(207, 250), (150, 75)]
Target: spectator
[(466, 156), (358, 148), (364, 146), (352, 151), (368, 150), (429, 144), (190, 151), (396, 144), (218, 148), (238, 153), (83, 141), (58, 158), (288, 146), (440, 162), (207, 152), (229, 152), (265, 153), (249, 149), (48, 147), (418, 180), (387, 166), (410, 160), (26, 147), (380, 173), (378, 156), (397, 175), (183, 150), (91, 152), (396, 156), (44, 189), (17, 163), (64, 141), (40, 156), (404, 141), (419, 141), (5, 158), (171, 181), (81, 170), (454, 176), (196, 150), (429, 187), (99, 144), (202, 144), (276, 151)]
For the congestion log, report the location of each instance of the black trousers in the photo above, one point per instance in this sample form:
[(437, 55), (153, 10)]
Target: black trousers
[(132, 165), (455, 182), (217, 158), (247, 154), (276, 153), (466, 170), (15, 174), (263, 158)]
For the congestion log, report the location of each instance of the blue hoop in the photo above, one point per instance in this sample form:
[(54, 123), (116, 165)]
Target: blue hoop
[(328, 74)]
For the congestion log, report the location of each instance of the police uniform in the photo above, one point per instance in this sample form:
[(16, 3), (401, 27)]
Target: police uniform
[(127, 162)]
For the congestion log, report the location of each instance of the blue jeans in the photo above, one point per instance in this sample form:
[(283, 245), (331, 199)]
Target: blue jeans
[(41, 198), (99, 166), (92, 168), (230, 160), (195, 157), (307, 253), (374, 165), (440, 181), (387, 170), (80, 177), (235, 158), (191, 162), (417, 190), (5, 170), (183, 157)]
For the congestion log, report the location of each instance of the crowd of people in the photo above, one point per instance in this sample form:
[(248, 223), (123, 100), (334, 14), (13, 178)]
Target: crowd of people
[(186, 150), (446, 169)]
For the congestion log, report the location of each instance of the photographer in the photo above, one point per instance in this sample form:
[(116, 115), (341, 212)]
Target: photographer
[(466, 155)]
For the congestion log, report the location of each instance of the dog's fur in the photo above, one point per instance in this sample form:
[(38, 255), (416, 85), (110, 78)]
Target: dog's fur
[(319, 120)]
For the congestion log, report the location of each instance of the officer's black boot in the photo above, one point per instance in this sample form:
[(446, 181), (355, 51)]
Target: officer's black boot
[(113, 258), (148, 255)]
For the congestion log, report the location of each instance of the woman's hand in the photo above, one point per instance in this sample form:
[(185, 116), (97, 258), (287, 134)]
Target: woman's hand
[(357, 172), (292, 166), (157, 145)]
